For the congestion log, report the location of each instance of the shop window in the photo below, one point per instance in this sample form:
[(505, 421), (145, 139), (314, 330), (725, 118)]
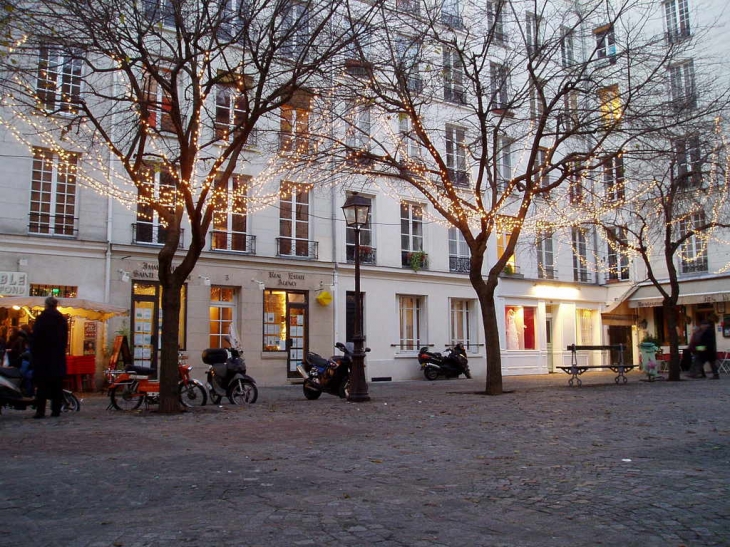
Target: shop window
[(222, 315), (411, 313), (520, 327), (59, 291)]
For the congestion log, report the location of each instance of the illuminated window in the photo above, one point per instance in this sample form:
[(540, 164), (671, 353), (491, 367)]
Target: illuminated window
[(693, 251), (222, 315), (463, 322), (157, 102), (411, 313), (294, 220), (584, 327), (611, 107), (229, 215), (160, 188), (519, 329), (505, 228)]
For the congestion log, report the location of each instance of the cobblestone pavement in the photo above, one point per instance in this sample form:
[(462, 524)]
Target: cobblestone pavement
[(421, 464)]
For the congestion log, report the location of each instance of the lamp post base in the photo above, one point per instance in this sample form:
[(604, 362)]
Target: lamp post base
[(358, 385)]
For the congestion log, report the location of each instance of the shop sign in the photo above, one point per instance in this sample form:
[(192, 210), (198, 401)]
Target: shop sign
[(14, 284), (288, 279)]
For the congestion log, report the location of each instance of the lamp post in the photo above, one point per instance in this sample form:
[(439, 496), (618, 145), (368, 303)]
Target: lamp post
[(356, 210)]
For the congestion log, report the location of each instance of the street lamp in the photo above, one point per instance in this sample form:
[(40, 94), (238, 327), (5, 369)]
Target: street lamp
[(357, 209)]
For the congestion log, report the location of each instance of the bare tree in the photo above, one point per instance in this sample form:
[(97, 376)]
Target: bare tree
[(155, 101), (491, 115)]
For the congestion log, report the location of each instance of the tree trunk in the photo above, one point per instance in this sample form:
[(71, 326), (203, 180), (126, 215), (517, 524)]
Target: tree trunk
[(168, 374), (670, 312), (485, 292)]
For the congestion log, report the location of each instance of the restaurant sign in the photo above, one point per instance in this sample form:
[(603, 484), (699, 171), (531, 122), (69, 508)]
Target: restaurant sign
[(14, 284)]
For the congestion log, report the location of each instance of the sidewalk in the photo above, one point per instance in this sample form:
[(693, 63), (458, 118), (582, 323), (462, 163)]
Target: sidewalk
[(421, 464)]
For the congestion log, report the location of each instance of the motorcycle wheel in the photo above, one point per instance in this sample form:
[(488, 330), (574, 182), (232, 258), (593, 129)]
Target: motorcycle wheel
[(242, 392), (70, 402), (193, 394), (344, 389), (311, 394), (125, 399), (430, 373), (215, 398)]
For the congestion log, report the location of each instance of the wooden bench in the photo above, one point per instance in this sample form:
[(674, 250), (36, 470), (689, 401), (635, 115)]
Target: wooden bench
[(576, 370)]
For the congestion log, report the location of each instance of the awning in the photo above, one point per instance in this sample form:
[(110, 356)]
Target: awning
[(699, 291), (76, 307)]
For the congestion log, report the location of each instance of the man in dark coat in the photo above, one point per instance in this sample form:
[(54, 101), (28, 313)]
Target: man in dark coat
[(50, 336)]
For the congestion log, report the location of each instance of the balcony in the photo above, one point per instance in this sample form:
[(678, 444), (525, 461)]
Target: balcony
[(459, 264), (56, 225), (149, 233), (510, 270), (358, 68), (582, 276), (287, 247), (367, 254), (546, 272), (235, 242), (696, 266), (452, 95), (458, 178)]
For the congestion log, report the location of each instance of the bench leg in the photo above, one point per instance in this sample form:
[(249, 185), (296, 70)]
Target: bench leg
[(574, 378)]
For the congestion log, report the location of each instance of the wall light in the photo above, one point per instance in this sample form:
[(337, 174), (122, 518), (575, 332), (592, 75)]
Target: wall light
[(205, 279), (262, 285), (124, 275)]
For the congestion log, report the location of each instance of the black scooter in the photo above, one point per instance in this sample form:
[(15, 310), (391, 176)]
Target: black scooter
[(12, 395), (450, 364), (227, 375), (327, 375)]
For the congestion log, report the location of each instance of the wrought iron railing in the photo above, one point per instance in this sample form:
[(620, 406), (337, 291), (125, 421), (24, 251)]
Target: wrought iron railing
[(288, 247), (149, 233), (459, 264), (238, 242), (53, 224), (367, 254)]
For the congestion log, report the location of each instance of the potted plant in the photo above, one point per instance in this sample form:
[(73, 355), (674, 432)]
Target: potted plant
[(417, 260)]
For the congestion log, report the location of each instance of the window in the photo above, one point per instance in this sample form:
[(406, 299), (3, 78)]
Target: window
[(453, 77), (576, 190), (456, 155), (157, 106), (58, 82), (499, 82), (411, 231), (611, 107), (459, 253), (294, 220), (537, 104), (295, 29), (618, 258), (230, 110), (357, 51), (605, 43), (504, 162), (533, 33), (53, 193), (613, 177), (161, 11), (693, 251), (580, 255), (676, 17), (357, 136), (569, 117), (682, 84), (567, 49), (162, 188), (222, 315), (541, 175), (545, 255), (411, 328), (367, 250), (294, 125), (408, 50), (410, 145), (451, 14), (463, 323), (688, 161), (229, 215), (495, 21), (584, 327), (412, 7), (520, 327), (502, 242)]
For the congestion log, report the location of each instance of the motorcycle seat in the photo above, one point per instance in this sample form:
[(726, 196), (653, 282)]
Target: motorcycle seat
[(317, 360), (212, 356), (10, 372), (144, 371)]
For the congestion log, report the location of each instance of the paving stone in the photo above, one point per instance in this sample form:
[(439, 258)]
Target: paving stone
[(422, 464)]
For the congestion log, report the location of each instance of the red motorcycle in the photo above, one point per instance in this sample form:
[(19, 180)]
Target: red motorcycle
[(131, 387)]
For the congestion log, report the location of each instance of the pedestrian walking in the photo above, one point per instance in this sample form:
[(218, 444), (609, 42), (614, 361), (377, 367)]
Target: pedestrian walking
[(50, 336), (704, 346)]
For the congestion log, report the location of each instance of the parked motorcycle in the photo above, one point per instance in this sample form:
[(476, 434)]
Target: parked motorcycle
[(13, 396), (227, 374), (131, 387), (450, 364), (327, 375)]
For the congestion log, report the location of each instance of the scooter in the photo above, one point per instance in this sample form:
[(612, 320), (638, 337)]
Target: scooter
[(131, 387), (12, 395), (227, 374), (327, 375), (450, 364)]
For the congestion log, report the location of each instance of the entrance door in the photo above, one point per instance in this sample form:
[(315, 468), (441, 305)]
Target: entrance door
[(144, 325), (620, 335), (296, 313)]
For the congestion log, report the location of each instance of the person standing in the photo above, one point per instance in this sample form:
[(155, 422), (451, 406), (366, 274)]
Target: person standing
[(50, 336)]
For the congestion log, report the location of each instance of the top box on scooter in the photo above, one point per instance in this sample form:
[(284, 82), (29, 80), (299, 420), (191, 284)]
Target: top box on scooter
[(214, 355)]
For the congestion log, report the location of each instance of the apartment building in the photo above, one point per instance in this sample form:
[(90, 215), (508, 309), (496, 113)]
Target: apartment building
[(282, 271)]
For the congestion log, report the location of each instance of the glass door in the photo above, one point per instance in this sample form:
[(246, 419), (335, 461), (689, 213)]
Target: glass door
[(297, 341), (145, 325)]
